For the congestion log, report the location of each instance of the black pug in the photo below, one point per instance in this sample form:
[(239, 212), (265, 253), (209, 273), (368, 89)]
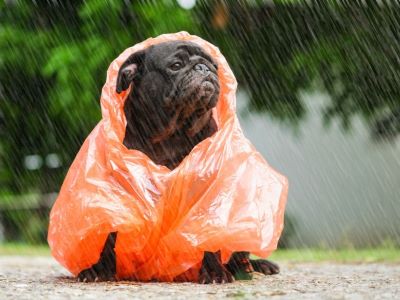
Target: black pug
[(168, 112)]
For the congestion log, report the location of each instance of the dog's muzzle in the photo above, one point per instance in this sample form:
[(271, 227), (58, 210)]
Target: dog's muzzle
[(207, 88)]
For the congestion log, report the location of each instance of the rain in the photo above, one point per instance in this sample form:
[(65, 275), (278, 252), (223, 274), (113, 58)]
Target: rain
[(318, 96)]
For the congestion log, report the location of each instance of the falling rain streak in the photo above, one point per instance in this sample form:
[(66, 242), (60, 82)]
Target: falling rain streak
[(319, 97)]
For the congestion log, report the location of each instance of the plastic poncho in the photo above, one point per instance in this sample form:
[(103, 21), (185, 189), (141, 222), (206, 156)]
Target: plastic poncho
[(223, 195)]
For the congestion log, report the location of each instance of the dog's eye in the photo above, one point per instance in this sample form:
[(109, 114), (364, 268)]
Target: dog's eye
[(176, 66)]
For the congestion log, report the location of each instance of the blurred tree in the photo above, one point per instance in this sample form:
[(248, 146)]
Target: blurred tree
[(348, 48), (259, 41), (53, 61)]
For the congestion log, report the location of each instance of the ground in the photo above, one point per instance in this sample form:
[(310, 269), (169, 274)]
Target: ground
[(40, 277)]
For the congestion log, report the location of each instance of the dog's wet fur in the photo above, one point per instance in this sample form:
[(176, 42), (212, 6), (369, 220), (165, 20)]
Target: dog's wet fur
[(174, 87)]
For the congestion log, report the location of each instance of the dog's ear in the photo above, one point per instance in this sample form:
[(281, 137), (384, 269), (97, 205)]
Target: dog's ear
[(129, 70)]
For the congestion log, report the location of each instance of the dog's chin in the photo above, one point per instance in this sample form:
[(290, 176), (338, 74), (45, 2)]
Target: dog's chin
[(208, 94)]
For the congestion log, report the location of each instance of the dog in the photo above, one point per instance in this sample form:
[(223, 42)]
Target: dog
[(168, 112)]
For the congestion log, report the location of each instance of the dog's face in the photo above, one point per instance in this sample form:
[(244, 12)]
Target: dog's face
[(173, 85)]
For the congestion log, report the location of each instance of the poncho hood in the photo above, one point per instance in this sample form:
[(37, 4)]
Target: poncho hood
[(223, 195)]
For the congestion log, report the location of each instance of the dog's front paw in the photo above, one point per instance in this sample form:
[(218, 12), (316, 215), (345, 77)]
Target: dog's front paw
[(240, 266), (105, 268), (220, 275), (264, 266), (213, 271), (90, 275)]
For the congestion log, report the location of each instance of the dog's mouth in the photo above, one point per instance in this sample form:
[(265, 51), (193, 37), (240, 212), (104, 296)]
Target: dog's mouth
[(202, 96)]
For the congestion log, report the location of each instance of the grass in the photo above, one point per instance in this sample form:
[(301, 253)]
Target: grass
[(388, 253), (351, 255), (24, 249)]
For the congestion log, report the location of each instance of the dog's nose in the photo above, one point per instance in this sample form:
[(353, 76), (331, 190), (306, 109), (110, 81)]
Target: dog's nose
[(202, 68)]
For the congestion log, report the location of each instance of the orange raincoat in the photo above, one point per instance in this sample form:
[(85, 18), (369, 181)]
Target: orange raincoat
[(223, 196)]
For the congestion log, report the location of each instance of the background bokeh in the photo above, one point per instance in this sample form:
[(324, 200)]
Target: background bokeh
[(318, 95)]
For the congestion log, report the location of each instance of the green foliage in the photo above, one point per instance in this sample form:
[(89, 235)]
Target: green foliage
[(53, 62), (349, 48), (355, 63)]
